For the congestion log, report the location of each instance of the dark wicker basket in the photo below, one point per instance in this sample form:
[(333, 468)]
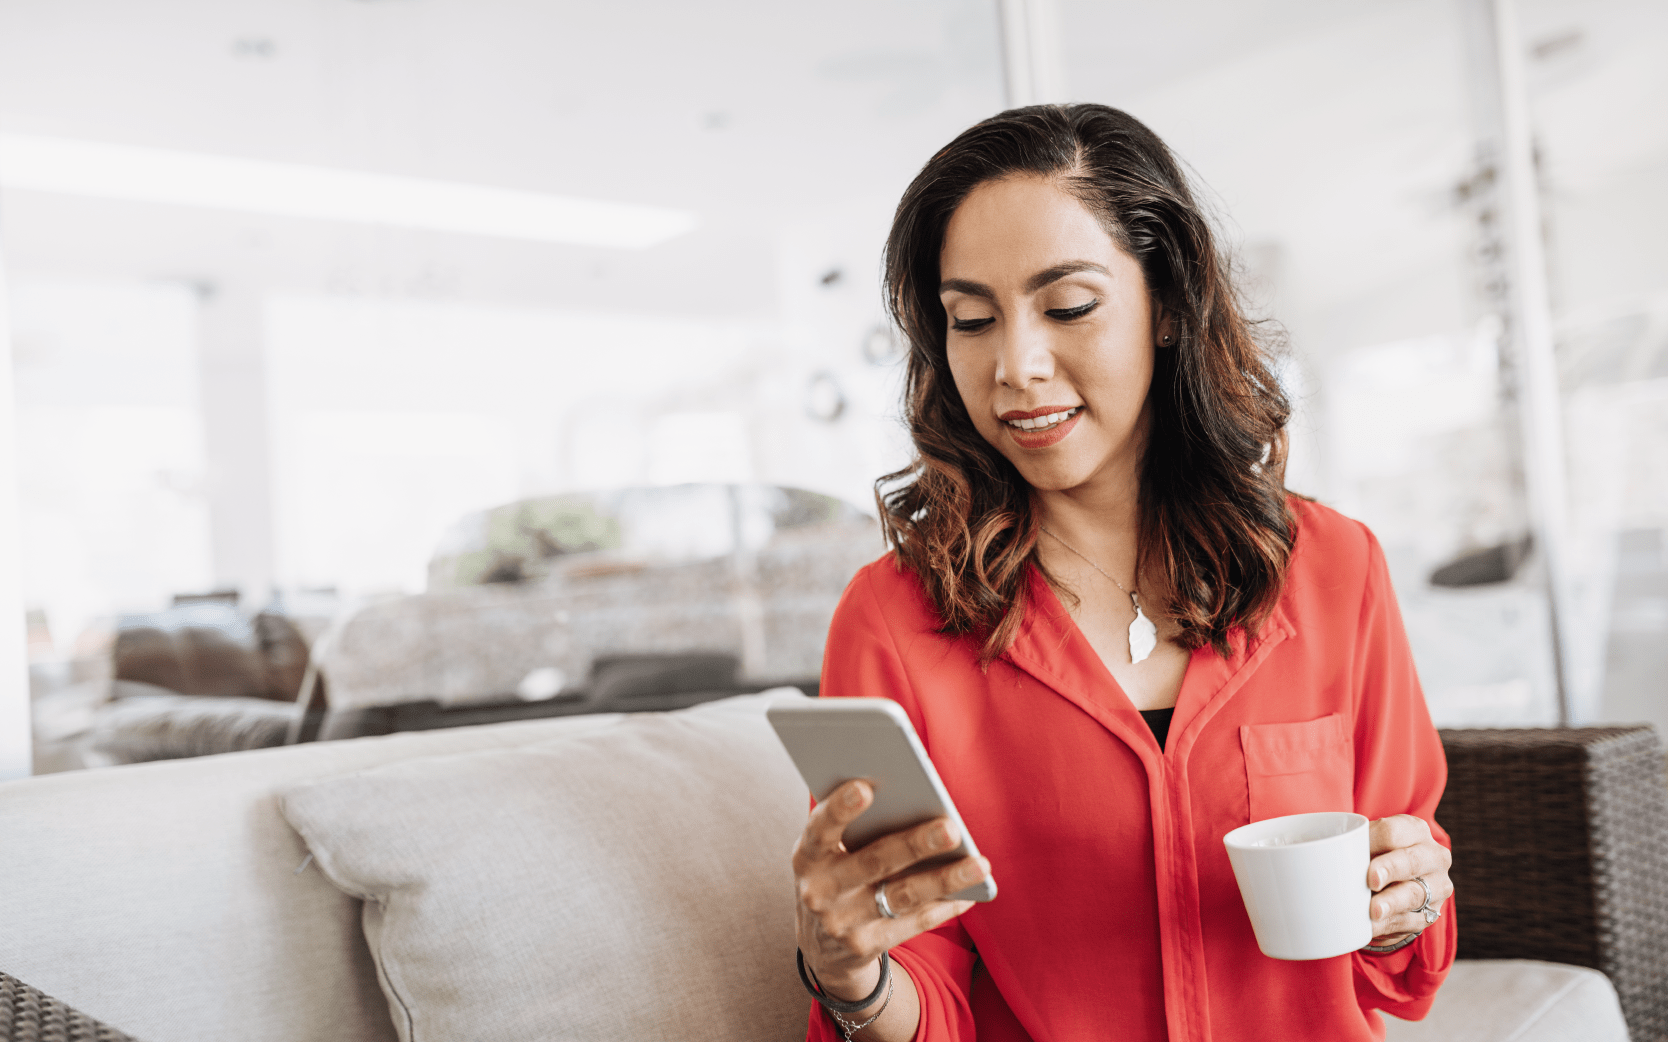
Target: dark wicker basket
[(1561, 853), (27, 1015)]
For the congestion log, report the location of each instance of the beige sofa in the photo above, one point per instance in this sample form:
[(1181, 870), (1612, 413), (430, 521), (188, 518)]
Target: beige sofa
[(596, 877)]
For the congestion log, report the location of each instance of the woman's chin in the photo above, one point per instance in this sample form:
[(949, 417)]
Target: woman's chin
[(1059, 477)]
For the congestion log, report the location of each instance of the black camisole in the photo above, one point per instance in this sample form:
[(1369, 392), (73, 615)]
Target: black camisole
[(1159, 721)]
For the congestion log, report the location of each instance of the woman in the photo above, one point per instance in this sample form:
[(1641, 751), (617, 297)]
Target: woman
[(1100, 452)]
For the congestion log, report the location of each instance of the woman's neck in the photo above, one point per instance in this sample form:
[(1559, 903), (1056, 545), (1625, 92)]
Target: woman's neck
[(1100, 520)]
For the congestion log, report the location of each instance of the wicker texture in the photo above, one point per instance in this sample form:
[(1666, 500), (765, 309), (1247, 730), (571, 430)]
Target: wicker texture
[(1561, 853), (27, 1015)]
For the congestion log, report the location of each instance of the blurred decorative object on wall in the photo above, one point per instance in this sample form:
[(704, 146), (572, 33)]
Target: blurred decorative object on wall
[(882, 346), (823, 398)]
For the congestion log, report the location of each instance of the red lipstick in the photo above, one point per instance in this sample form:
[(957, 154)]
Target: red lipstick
[(1017, 414), (1041, 439)]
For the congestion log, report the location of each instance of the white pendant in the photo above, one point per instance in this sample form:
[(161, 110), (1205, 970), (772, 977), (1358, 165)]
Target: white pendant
[(1143, 636)]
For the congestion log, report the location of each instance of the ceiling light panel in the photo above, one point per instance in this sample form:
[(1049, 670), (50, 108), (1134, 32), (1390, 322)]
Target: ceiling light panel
[(151, 175)]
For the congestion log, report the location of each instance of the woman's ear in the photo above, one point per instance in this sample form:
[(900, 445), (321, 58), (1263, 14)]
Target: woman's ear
[(1164, 326)]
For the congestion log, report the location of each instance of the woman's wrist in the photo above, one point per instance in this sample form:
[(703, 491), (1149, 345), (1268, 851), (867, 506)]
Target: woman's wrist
[(1393, 943), (847, 988), (853, 986)]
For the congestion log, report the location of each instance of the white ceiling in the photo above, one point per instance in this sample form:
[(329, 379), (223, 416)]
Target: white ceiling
[(752, 113), (1334, 129)]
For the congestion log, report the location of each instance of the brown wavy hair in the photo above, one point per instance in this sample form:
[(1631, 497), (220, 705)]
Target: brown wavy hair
[(1213, 508)]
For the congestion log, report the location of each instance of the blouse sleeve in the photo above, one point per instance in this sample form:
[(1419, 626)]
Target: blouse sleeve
[(1399, 769), (862, 660)]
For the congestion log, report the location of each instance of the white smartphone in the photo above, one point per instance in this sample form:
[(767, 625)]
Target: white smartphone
[(833, 740)]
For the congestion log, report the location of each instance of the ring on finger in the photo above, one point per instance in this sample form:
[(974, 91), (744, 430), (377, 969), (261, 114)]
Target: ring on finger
[(884, 906), (1431, 914)]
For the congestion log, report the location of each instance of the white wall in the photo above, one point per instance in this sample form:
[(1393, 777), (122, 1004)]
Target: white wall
[(393, 419), (112, 470)]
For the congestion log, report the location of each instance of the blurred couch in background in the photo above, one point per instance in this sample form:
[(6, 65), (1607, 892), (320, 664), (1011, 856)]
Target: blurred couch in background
[(626, 600)]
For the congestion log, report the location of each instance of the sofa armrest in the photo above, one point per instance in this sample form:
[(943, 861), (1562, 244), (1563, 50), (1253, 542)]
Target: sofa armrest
[(1516, 1000), (1561, 853), (28, 1015)]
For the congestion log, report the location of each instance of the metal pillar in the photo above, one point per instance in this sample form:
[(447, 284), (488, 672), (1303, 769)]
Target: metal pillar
[(1505, 134), (1033, 66)]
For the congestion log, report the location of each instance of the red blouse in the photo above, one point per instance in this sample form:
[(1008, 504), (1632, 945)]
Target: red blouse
[(1118, 914)]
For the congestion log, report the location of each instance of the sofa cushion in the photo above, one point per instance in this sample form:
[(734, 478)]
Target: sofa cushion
[(164, 898), (630, 883), (1517, 1000)]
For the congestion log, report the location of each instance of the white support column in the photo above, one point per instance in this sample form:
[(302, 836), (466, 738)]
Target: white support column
[(1499, 48), (1033, 62), (16, 746), (231, 337)]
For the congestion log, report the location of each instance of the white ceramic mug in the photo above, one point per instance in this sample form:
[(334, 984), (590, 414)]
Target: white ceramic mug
[(1304, 881)]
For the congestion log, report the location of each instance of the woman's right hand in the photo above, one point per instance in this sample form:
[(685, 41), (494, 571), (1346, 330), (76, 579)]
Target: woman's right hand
[(841, 929)]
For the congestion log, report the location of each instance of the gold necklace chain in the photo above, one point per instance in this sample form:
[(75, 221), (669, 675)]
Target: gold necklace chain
[(1127, 592)]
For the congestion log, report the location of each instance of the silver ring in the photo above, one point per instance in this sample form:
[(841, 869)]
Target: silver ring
[(882, 904), (1431, 914)]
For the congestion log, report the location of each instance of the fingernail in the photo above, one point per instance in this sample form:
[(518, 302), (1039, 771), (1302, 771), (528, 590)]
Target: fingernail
[(984, 862), (970, 873), (946, 836), (854, 795)]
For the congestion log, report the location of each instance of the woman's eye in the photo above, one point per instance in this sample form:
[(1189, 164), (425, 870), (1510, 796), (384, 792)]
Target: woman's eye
[(970, 325), (1071, 313)]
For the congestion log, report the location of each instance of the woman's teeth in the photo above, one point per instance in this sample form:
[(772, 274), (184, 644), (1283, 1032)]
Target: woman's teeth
[(1037, 423)]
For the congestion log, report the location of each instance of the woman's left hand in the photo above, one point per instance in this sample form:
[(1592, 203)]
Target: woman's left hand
[(1403, 850)]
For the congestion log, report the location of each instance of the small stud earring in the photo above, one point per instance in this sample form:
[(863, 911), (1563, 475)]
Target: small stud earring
[(1167, 340)]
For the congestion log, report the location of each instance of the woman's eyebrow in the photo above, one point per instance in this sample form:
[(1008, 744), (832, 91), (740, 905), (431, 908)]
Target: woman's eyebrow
[(972, 289), (1060, 271), (1032, 284)]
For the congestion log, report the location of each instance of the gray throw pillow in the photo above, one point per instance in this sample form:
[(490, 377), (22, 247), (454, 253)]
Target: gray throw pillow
[(628, 883)]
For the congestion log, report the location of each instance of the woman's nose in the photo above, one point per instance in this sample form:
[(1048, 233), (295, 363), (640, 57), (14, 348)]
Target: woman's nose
[(1025, 357)]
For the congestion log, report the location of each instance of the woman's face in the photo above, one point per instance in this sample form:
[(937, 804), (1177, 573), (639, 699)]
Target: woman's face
[(1050, 335)]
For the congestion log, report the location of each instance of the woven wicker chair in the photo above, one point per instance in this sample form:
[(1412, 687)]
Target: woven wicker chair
[(1561, 853), (27, 1015)]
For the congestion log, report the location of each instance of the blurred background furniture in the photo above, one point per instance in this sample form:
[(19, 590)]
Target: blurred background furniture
[(625, 600), (198, 677), (204, 646)]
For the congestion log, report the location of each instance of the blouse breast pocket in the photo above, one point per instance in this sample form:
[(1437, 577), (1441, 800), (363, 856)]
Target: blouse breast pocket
[(1297, 768)]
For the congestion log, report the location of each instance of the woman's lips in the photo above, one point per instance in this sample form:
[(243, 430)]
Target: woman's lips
[(1043, 437)]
